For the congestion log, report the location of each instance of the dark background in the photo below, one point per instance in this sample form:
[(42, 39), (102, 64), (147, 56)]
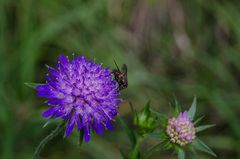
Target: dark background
[(172, 48)]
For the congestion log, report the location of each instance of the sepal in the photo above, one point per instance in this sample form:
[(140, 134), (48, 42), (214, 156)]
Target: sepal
[(192, 110), (33, 85), (201, 146), (145, 121), (204, 127), (180, 153)]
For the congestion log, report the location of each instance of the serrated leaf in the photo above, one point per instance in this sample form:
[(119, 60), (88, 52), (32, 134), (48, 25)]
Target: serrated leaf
[(129, 131), (181, 153), (192, 110), (33, 85), (198, 120), (204, 127), (201, 146)]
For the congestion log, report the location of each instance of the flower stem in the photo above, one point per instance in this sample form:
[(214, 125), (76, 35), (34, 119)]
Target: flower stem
[(135, 151), (48, 138)]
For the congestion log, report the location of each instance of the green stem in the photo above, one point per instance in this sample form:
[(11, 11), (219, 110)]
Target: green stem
[(48, 138), (135, 152)]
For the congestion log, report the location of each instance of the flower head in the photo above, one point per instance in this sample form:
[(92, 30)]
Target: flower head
[(181, 130), (145, 120), (82, 93)]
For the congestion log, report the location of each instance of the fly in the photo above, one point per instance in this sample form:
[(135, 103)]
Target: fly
[(121, 76)]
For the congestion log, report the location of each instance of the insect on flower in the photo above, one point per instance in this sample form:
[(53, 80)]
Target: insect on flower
[(82, 93), (121, 76)]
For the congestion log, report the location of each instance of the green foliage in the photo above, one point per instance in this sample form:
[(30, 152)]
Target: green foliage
[(177, 108), (196, 144), (47, 139), (192, 109), (32, 85), (49, 121), (204, 127), (198, 120), (181, 153), (161, 135), (145, 120), (158, 147), (123, 154), (201, 146), (128, 131)]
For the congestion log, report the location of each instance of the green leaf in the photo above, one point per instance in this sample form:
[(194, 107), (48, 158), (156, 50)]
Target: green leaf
[(135, 154), (47, 139), (122, 154), (153, 149), (201, 146), (133, 110), (177, 107), (129, 131), (168, 145), (204, 127), (33, 85), (159, 115), (146, 108), (50, 120), (159, 134), (195, 156), (192, 110), (181, 153), (198, 120)]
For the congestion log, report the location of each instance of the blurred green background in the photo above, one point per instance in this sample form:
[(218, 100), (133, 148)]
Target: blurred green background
[(172, 48)]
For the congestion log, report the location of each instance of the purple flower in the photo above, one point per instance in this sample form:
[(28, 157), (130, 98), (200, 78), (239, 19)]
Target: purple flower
[(82, 93), (181, 130)]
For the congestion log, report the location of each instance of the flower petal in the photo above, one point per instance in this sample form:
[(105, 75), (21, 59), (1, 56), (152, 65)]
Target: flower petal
[(64, 61), (97, 126), (51, 111), (87, 133), (70, 127), (108, 125)]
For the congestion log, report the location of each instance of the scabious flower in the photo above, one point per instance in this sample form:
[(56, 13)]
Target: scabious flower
[(181, 130), (82, 93)]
